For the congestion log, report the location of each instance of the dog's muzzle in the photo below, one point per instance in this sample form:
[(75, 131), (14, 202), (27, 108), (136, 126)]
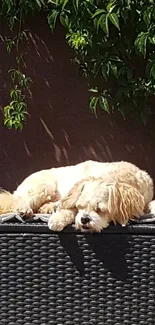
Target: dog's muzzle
[(85, 219)]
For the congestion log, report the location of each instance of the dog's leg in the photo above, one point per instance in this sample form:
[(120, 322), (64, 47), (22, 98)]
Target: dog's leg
[(24, 208), (151, 207), (59, 220), (22, 205), (50, 207), (35, 192)]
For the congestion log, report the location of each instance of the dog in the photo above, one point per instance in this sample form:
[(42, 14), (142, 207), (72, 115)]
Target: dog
[(120, 195), (45, 191), (94, 203)]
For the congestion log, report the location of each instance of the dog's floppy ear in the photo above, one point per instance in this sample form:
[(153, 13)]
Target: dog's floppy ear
[(70, 200), (124, 202)]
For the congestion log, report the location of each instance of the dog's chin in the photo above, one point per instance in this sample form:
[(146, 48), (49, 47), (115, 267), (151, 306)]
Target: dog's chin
[(95, 224), (85, 228)]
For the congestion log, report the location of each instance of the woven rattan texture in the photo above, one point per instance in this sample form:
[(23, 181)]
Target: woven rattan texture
[(67, 279)]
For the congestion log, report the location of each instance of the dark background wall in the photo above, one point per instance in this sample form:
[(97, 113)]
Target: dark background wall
[(61, 130)]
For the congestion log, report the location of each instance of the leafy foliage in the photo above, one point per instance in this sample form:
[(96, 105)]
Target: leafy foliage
[(114, 44), (16, 111)]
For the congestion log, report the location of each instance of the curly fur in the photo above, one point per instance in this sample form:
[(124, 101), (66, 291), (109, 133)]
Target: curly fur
[(117, 202), (40, 191), (113, 197)]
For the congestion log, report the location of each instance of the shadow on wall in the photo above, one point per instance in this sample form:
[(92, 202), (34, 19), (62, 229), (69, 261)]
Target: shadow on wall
[(61, 130)]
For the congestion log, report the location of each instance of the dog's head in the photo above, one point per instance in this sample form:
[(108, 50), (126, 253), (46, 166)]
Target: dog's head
[(99, 203)]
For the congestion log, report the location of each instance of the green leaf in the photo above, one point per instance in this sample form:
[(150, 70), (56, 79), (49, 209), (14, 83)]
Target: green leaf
[(6, 109), (20, 60), (113, 67), (105, 70), (147, 15), (93, 90), (141, 42), (98, 12), (104, 104), (64, 20), (6, 120), (9, 124), (76, 4), (52, 2), (93, 104), (129, 4), (52, 19), (114, 19), (14, 94), (12, 20), (64, 4), (43, 3), (97, 22), (152, 39), (10, 44), (153, 12), (96, 68), (104, 23), (148, 67), (152, 71), (39, 3), (111, 6)]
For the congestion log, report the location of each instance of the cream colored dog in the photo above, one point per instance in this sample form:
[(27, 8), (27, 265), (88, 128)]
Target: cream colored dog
[(96, 203), (111, 185), (119, 195)]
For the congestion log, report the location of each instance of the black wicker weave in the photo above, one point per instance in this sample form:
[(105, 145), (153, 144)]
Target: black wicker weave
[(71, 278)]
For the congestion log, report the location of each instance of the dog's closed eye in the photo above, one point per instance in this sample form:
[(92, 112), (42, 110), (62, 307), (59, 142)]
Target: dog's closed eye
[(102, 207), (98, 210)]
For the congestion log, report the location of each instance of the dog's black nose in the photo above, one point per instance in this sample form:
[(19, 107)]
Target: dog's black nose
[(85, 220)]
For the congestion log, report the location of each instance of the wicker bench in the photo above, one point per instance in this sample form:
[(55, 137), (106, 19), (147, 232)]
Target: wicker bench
[(71, 278)]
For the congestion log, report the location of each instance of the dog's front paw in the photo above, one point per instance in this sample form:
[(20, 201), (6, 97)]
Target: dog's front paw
[(24, 211), (151, 208), (50, 207), (47, 208), (55, 224)]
